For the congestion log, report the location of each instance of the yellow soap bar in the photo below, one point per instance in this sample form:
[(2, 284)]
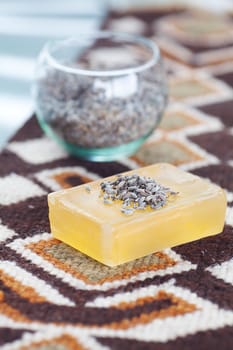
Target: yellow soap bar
[(80, 218)]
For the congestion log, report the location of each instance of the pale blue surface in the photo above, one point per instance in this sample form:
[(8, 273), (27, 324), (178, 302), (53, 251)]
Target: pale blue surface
[(25, 26)]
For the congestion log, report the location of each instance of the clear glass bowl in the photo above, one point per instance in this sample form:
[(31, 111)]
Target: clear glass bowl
[(100, 95)]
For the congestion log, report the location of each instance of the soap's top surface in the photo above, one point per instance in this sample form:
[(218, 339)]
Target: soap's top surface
[(191, 189)]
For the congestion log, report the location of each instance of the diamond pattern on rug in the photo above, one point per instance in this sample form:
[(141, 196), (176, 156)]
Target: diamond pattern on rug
[(193, 310), (198, 29), (184, 55), (196, 38), (146, 309), (177, 120), (196, 88), (62, 260), (65, 177), (53, 297), (185, 88), (164, 150), (81, 266), (182, 120)]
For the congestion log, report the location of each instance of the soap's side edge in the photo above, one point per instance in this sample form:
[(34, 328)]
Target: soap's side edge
[(78, 231)]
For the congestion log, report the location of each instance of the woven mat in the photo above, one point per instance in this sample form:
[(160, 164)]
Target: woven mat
[(53, 297)]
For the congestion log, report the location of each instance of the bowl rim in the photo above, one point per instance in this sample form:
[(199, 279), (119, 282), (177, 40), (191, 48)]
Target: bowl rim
[(47, 54)]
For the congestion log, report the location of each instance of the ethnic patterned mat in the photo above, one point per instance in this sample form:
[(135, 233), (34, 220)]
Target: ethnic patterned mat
[(53, 297)]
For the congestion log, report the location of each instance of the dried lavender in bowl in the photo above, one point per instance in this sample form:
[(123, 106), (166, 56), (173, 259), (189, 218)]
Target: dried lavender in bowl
[(104, 111)]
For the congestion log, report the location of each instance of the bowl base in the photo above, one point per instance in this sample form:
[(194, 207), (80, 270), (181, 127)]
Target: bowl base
[(101, 154), (106, 154)]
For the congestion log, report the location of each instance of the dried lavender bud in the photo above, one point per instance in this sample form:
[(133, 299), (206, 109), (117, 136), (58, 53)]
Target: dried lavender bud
[(107, 201), (127, 211), (88, 188), (136, 193)]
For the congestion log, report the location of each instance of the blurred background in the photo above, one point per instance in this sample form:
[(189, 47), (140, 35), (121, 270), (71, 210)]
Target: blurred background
[(25, 25)]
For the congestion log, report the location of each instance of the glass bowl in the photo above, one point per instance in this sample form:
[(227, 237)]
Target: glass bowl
[(100, 95)]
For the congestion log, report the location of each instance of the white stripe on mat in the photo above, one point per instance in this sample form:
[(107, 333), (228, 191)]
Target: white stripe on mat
[(41, 287)]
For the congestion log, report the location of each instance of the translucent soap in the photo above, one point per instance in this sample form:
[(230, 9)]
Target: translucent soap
[(80, 218)]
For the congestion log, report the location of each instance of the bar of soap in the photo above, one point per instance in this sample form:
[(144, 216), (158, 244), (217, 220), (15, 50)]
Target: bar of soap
[(80, 218)]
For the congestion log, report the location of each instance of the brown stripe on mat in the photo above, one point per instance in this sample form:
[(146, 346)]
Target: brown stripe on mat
[(28, 217), (11, 334), (80, 297), (205, 285), (22, 290), (221, 174), (30, 130), (208, 251), (227, 78), (222, 110), (164, 305), (209, 340), (11, 163), (218, 143)]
